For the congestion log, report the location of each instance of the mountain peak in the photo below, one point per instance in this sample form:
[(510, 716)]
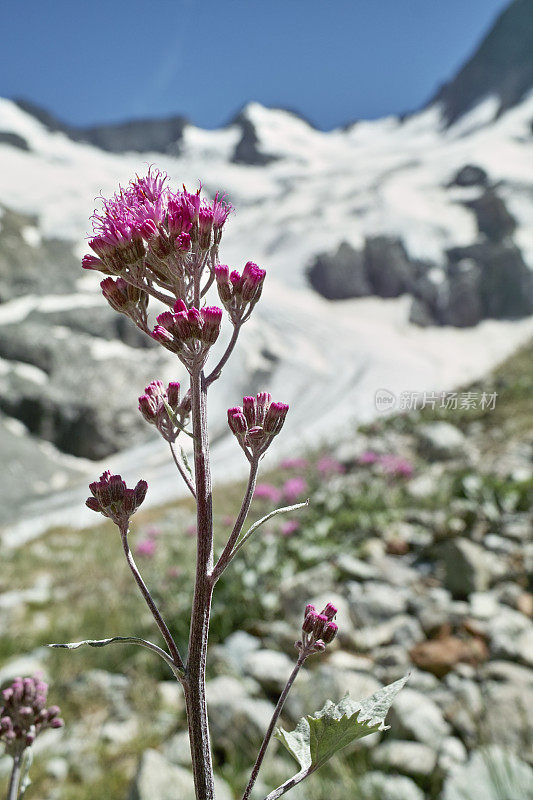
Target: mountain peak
[(501, 67)]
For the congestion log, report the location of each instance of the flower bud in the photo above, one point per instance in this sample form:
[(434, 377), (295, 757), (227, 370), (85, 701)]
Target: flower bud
[(275, 417), (330, 611), (329, 632)]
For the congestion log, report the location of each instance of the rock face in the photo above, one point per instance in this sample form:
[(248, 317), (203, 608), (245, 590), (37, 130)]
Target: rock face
[(502, 66), (247, 150), (488, 279), (141, 136), (340, 275), (466, 566), (29, 264)]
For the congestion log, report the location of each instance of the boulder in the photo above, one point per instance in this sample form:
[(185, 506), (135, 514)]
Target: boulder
[(340, 275), (496, 774), (416, 717), (493, 218), (392, 787), (158, 778), (388, 268), (409, 758), (466, 567), (470, 175), (440, 441), (463, 307)]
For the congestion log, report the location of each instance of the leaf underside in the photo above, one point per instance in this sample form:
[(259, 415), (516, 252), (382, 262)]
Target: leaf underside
[(318, 737)]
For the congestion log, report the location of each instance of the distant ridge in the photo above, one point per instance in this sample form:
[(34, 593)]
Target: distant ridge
[(160, 135), (502, 66)]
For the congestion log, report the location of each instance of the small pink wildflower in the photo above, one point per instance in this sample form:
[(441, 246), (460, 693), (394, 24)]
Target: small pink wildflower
[(294, 463), (330, 466), (289, 527), (368, 457), (146, 547), (294, 488), (396, 466), (266, 491)]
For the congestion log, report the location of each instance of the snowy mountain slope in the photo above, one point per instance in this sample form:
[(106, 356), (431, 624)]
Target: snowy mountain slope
[(317, 189)]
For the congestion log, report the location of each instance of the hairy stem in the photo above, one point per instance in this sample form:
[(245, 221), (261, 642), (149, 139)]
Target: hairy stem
[(167, 636), (13, 789), (294, 781), (268, 735), (181, 469), (203, 589), (227, 553)]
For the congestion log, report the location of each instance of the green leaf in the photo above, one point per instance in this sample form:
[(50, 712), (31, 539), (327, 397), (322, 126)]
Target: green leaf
[(121, 640), (316, 738)]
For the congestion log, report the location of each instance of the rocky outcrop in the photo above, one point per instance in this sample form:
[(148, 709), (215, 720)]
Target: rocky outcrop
[(138, 135), (501, 67), (247, 148), (340, 275), (31, 264)]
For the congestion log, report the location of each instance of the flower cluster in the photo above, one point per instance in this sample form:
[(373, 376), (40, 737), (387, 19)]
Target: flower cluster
[(24, 715), (149, 235), (112, 498), (239, 293), (188, 332), (126, 299), (153, 406), (318, 630), (257, 422)]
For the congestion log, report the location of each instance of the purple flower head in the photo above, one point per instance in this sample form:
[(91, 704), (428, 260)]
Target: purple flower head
[(239, 293), (149, 234), (266, 491), (294, 488), (189, 332), (327, 466), (294, 463), (396, 466), (318, 630), (289, 527), (257, 422), (112, 498), (368, 457), (146, 547), (153, 406), (23, 714)]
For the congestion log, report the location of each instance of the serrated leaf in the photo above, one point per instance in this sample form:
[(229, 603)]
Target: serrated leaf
[(318, 737)]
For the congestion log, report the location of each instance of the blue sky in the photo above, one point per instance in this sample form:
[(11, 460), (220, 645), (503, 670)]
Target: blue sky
[(334, 61)]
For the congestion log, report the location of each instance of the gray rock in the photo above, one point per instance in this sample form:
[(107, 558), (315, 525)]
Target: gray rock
[(505, 631), (374, 602), (388, 267), (415, 716), (402, 630), (57, 768), (495, 773), (441, 440), (466, 567), (376, 785), (269, 668), (507, 720), (492, 215), (340, 275), (409, 758), (231, 655), (463, 307), (355, 568), (178, 749), (158, 778), (247, 149), (452, 752), (421, 313), (470, 175), (238, 722)]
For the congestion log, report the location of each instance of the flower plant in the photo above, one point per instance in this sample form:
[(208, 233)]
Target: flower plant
[(160, 246)]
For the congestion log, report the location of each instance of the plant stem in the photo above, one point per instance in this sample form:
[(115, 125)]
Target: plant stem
[(203, 589), (294, 781), (167, 636), (13, 790), (227, 553), (268, 735)]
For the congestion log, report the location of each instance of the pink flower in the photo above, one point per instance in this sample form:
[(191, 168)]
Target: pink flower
[(265, 491), (368, 457), (289, 527), (294, 463), (396, 466), (330, 466), (228, 521), (294, 488), (146, 547)]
